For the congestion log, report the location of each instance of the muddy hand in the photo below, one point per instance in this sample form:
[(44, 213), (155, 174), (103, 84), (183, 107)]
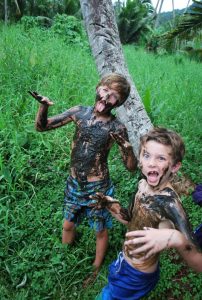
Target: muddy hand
[(102, 201), (41, 99), (119, 139)]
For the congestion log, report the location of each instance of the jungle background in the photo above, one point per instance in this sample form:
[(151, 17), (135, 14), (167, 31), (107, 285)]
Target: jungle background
[(44, 47)]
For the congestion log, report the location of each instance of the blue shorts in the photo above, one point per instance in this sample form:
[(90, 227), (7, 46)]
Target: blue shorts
[(127, 283), (77, 203)]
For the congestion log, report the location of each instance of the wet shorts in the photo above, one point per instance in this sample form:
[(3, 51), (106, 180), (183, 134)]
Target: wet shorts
[(77, 203), (127, 283)]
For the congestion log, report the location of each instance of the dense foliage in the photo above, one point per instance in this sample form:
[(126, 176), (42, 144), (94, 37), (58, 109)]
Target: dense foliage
[(134, 21), (188, 28), (11, 10), (34, 166)]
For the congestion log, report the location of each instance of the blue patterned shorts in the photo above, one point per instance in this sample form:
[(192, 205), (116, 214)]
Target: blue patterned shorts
[(77, 203)]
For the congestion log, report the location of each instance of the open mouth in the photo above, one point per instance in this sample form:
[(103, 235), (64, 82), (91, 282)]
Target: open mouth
[(100, 106), (152, 176)]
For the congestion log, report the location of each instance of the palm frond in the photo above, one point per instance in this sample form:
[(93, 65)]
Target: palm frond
[(189, 22)]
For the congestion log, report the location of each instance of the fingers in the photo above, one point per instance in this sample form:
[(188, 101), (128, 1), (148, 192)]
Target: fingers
[(137, 233), (145, 246), (116, 137), (101, 196), (136, 241), (40, 99), (35, 95)]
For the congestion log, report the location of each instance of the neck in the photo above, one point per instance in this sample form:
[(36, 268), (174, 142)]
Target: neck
[(100, 115), (159, 187)]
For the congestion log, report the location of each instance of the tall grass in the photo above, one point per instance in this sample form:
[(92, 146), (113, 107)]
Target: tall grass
[(34, 264), (172, 87)]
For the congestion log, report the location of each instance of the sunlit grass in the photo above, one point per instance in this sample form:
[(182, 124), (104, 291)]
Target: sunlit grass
[(34, 166)]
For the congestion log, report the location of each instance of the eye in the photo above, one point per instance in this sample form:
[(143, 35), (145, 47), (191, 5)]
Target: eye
[(116, 97), (162, 158), (146, 155)]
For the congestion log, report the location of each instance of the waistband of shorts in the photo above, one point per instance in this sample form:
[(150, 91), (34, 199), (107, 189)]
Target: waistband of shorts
[(136, 271), (88, 183)]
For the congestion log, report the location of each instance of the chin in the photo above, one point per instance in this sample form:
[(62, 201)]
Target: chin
[(153, 184)]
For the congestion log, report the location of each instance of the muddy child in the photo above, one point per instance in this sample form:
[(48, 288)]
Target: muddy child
[(96, 129), (155, 220)]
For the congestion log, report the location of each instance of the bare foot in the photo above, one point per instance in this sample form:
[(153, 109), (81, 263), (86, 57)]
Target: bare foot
[(91, 277)]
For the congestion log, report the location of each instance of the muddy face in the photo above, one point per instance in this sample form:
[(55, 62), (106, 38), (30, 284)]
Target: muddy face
[(106, 100), (156, 163)]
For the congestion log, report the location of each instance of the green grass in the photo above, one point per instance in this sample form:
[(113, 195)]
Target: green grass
[(34, 166)]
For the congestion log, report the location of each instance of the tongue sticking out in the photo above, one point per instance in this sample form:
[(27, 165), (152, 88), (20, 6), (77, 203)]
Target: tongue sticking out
[(100, 106), (152, 177)]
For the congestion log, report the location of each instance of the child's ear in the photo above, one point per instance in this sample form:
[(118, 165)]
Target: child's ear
[(176, 167)]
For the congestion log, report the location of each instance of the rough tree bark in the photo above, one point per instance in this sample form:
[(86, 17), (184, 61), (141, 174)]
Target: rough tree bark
[(106, 47)]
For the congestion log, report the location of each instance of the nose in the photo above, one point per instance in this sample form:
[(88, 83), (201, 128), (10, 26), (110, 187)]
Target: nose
[(106, 98), (151, 162)]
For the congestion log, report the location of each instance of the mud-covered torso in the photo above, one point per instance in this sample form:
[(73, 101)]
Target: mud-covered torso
[(150, 210), (91, 145)]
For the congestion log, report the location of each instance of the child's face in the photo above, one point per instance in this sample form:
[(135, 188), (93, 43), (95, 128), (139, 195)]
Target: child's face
[(106, 99), (156, 163)]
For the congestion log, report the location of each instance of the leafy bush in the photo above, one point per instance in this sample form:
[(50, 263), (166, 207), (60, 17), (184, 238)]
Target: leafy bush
[(29, 22), (69, 28)]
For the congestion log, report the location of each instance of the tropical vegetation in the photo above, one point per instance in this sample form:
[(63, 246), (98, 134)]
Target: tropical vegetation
[(34, 166)]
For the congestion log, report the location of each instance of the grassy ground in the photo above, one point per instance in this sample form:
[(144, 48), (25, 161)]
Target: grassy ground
[(34, 166)]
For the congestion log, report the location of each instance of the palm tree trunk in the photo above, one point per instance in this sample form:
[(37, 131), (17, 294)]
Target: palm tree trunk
[(159, 11), (106, 47), (5, 12), (187, 6), (156, 8), (173, 8), (17, 6)]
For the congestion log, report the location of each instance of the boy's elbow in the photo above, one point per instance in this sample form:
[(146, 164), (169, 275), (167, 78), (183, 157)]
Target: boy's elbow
[(39, 128), (131, 165)]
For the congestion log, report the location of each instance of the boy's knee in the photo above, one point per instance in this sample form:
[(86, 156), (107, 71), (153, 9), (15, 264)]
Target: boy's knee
[(101, 234), (68, 226)]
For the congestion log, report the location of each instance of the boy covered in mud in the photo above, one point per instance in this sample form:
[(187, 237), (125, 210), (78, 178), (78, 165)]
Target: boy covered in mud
[(156, 220), (96, 131)]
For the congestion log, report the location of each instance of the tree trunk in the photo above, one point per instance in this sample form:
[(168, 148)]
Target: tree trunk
[(106, 47), (158, 14), (5, 12)]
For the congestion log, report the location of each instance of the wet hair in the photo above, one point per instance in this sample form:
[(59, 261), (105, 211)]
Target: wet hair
[(117, 82), (166, 137)]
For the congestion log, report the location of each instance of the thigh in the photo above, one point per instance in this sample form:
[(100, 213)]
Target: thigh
[(72, 211), (98, 219)]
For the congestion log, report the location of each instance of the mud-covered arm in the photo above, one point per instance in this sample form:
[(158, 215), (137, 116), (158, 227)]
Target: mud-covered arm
[(173, 210), (153, 241), (112, 205), (126, 149), (43, 123)]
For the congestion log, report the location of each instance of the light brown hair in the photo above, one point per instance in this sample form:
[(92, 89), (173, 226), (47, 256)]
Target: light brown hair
[(166, 137), (117, 82)]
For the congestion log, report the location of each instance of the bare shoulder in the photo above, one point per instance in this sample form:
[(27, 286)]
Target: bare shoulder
[(80, 111), (142, 184), (170, 192)]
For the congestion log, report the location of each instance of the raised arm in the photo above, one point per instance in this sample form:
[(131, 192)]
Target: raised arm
[(43, 123), (153, 241), (126, 149)]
